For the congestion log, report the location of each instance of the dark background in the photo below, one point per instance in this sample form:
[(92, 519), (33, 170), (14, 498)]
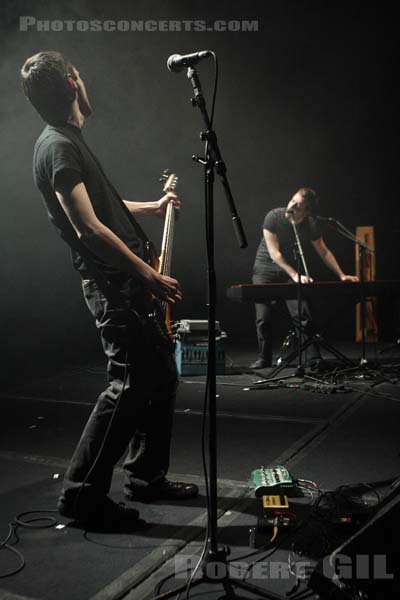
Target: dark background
[(306, 100)]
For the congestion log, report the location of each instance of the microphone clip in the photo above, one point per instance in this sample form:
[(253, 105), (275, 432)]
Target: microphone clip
[(197, 159)]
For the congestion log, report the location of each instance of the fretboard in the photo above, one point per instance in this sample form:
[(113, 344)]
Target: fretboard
[(167, 241)]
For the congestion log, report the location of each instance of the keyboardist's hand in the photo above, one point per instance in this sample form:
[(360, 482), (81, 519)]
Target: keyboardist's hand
[(304, 279), (349, 278)]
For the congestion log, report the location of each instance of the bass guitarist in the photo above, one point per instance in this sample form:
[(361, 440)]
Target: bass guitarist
[(135, 412)]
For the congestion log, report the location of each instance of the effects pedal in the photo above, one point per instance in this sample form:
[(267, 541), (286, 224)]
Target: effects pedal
[(275, 512), (274, 515), (275, 480)]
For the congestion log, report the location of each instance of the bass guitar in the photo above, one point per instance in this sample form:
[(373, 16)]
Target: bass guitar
[(160, 310)]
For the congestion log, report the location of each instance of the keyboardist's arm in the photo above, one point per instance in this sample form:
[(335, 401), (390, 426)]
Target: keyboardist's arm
[(330, 260), (271, 239)]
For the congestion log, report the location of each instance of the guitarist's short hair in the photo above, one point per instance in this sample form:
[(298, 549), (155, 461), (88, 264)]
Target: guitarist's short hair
[(44, 82)]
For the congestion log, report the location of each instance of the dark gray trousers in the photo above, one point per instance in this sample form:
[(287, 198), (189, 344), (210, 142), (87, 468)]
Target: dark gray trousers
[(264, 275), (134, 412)]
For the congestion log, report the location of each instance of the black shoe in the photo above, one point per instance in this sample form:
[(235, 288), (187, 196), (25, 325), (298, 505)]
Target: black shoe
[(260, 363), (162, 489), (105, 513)]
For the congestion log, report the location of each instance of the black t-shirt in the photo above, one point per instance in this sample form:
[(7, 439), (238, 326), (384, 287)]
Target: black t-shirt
[(61, 152), (276, 222)]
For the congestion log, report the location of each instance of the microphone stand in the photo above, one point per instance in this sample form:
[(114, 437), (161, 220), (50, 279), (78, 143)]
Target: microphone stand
[(299, 259), (363, 247), (214, 560)]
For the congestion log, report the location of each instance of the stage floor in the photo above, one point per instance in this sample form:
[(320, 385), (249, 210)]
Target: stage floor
[(332, 435)]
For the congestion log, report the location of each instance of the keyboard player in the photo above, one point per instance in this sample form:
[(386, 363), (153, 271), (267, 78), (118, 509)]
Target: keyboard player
[(275, 263)]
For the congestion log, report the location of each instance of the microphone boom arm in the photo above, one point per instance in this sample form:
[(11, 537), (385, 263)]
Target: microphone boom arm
[(349, 235)]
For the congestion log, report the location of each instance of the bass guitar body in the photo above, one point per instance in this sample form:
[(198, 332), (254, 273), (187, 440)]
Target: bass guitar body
[(160, 310)]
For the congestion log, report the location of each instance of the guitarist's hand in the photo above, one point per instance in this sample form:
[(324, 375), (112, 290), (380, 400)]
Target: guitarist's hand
[(163, 202), (164, 287)]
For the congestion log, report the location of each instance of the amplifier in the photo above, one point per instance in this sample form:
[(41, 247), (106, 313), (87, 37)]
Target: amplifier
[(191, 357), (191, 350)]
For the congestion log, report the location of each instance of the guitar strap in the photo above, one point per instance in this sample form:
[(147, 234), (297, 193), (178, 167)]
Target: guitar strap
[(153, 331)]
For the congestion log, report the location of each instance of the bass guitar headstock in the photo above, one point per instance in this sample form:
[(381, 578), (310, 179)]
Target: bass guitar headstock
[(170, 181)]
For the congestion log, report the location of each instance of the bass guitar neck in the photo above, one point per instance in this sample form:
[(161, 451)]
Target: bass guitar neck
[(161, 310)]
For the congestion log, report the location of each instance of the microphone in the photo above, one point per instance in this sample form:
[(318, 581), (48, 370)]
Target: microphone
[(177, 62), (291, 215), (325, 219)]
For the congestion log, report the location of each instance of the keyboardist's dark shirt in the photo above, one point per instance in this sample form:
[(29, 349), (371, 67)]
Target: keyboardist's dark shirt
[(276, 222)]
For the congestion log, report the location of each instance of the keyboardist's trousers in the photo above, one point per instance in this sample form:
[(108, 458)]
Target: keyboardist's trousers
[(264, 275)]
